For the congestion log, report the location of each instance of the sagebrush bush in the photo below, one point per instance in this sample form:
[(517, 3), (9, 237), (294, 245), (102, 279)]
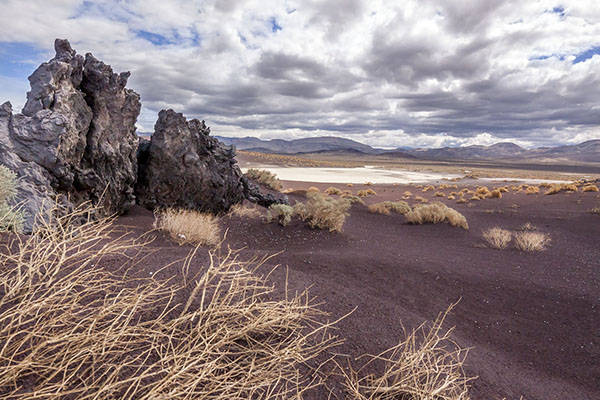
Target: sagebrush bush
[(365, 193), (428, 188), (435, 213), (496, 193), (561, 187), (483, 192), (313, 189), (353, 199), (387, 207), (532, 190), (497, 238), (281, 213), (333, 190), (323, 212), (264, 177), (531, 241), (189, 226), (11, 218), (590, 188), (240, 210)]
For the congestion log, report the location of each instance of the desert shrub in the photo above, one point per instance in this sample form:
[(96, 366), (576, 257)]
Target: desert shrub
[(188, 226), (462, 200), (475, 198), (545, 185), (497, 238), (532, 190), (503, 189), (439, 194), (281, 213), (426, 365), (313, 189), (73, 330), (421, 199), (527, 227), (366, 192), (531, 241), (407, 193), (590, 188), (496, 193), (483, 192), (451, 197), (428, 188), (369, 183), (387, 207), (264, 177), (323, 212), (595, 210), (11, 218), (561, 187), (242, 211), (350, 185), (435, 213), (332, 190), (353, 199)]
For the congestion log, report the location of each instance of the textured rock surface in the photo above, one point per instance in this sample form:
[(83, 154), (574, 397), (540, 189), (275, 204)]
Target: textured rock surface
[(76, 135), (182, 166)]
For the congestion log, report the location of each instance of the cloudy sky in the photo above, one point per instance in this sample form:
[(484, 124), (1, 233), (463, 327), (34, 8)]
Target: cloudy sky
[(419, 73)]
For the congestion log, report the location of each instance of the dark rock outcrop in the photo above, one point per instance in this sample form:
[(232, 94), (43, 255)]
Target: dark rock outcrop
[(182, 166), (76, 135)]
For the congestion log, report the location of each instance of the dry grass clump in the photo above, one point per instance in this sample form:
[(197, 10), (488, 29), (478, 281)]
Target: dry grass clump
[(503, 189), (528, 227), (407, 193), (353, 199), (497, 238), (323, 212), (590, 188), (561, 187), (332, 190), (313, 189), (475, 197), (595, 210), (11, 218), (496, 193), (462, 200), (428, 188), (451, 197), (532, 190), (531, 241), (71, 330), (483, 192), (242, 211), (366, 192), (188, 226), (387, 207), (439, 194), (350, 184), (369, 183), (435, 213), (427, 365), (421, 199), (281, 213), (264, 177)]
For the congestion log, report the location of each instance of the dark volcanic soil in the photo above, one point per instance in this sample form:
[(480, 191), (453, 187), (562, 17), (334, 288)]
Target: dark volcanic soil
[(531, 319)]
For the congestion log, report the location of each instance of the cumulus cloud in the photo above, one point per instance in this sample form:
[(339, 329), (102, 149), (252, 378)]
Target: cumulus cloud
[(413, 73)]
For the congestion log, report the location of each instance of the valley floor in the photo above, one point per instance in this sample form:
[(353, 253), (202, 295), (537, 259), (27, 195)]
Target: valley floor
[(530, 319)]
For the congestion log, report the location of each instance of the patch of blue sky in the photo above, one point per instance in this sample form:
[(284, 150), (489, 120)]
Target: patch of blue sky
[(154, 38), (274, 25), (560, 57), (558, 10), (175, 38), (19, 60), (587, 54)]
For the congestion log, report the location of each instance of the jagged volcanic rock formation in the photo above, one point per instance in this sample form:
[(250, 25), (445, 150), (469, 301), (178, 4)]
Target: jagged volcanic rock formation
[(182, 166), (76, 135)]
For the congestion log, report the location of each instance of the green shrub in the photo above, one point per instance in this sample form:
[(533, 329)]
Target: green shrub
[(323, 212), (281, 213), (266, 178)]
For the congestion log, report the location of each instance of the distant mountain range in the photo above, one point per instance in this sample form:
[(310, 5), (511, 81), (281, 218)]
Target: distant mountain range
[(584, 152)]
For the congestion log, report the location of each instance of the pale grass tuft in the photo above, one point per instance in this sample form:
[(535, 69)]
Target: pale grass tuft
[(323, 212), (369, 183), (350, 184), (483, 192), (313, 189), (462, 200), (561, 187), (497, 238), (435, 213), (188, 226), (11, 218), (595, 210), (528, 227), (353, 199), (387, 207), (407, 193), (532, 190), (72, 330), (426, 365), (531, 241), (243, 211), (421, 199), (451, 197), (590, 188), (439, 194), (281, 213), (496, 193), (365, 193), (333, 191), (264, 177), (428, 188)]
